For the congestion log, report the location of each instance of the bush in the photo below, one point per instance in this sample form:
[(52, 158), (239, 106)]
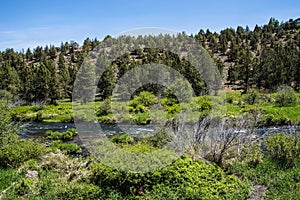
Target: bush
[(158, 140), (252, 97), (69, 148), (283, 148), (274, 119), (171, 105), (105, 108), (141, 102), (24, 186), (6, 97), (145, 98), (81, 192), (65, 136), (141, 118), (183, 179), (39, 117), (286, 96), (8, 130), (252, 155), (14, 154), (123, 139), (202, 103), (8, 176), (107, 119)]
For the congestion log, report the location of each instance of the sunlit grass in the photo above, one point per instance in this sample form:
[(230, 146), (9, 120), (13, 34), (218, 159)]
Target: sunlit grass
[(223, 105)]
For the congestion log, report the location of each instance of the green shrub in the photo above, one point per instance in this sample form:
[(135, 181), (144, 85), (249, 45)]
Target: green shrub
[(6, 97), (104, 108), (281, 183), (158, 140), (274, 119), (252, 155), (139, 108), (286, 96), (69, 148), (7, 177), (252, 97), (81, 192), (39, 117), (202, 103), (141, 118), (283, 148), (8, 130), (106, 119), (123, 139), (139, 105), (171, 106), (24, 186), (14, 154), (65, 136), (183, 179), (145, 98)]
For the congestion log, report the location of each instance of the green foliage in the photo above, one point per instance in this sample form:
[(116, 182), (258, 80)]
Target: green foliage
[(274, 119), (281, 183), (144, 99), (277, 168), (184, 178), (65, 136), (104, 108), (252, 97), (283, 148), (169, 101), (16, 153), (252, 155), (204, 103), (24, 187), (123, 139), (106, 119), (69, 148), (6, 98), (8, 130), (47, 113), (81, 191), (286, 96), (7, 177), (264, 57), (141, 118), (158, 140)]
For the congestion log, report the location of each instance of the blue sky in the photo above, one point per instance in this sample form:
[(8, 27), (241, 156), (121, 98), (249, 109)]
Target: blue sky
[(28, 23)]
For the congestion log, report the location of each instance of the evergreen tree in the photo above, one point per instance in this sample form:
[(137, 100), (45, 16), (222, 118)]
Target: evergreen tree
[(41, 76), (54, 86), (64, 76)]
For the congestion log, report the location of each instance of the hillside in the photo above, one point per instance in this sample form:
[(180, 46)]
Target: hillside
[(263, 58)]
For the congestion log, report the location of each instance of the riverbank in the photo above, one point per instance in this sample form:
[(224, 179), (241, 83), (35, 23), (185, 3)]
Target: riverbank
[(231, 104)]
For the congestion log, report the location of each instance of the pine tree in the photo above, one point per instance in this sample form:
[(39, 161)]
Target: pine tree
[(41, 76), (245, 68), (54, 86), (27, 92), (64, 76)]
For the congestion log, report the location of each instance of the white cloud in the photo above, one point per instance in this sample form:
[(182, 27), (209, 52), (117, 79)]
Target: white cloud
[(38, 36)]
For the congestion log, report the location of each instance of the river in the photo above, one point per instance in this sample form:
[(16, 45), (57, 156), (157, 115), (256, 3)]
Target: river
[(37, 130)]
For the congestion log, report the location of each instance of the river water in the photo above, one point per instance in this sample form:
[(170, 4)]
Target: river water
[(37, 130)]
